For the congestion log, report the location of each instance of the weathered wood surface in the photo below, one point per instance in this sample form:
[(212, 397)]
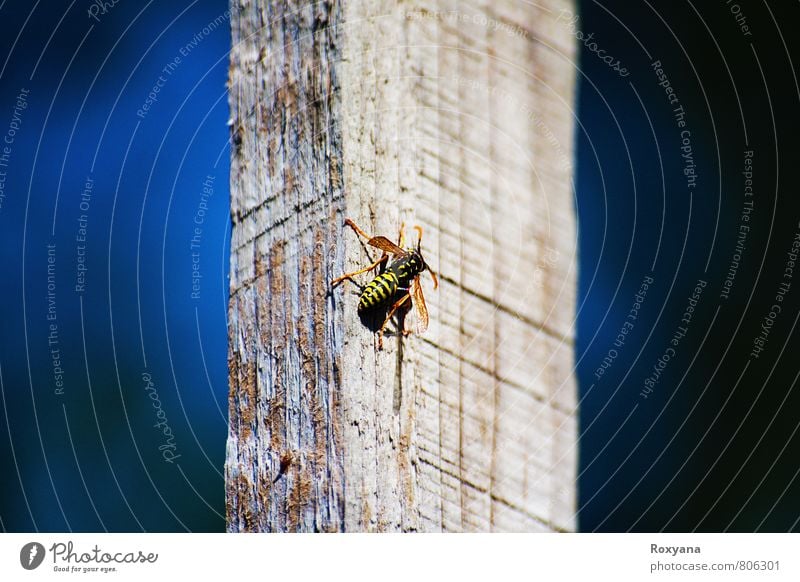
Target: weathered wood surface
[(454, 115)]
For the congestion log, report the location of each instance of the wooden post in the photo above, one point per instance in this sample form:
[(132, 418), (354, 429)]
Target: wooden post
[(453, 115)]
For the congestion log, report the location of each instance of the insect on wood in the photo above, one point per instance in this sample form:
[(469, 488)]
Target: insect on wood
[(397, 284)]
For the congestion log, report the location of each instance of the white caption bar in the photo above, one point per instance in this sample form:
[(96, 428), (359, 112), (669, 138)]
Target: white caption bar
[(401, 557)]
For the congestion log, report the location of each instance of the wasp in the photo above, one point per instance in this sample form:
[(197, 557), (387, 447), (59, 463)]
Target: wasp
[(397, 283)]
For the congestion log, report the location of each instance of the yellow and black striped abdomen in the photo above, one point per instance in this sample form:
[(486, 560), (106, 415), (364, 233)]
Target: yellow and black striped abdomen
[(379, 291)]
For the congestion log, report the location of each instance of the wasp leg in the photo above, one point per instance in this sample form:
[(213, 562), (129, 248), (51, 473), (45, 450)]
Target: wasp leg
[(392, 311), (401, 239), (349, 276), (354, 226)]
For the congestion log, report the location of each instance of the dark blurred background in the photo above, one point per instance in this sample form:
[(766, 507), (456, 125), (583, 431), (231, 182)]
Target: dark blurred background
[(115, 225), (707, 441), (132, 102)]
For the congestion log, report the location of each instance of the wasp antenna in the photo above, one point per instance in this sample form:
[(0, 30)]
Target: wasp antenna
[(419, 237), (435, 278)]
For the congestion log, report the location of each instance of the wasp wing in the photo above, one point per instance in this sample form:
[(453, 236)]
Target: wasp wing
[(418, 299), (383, 243)]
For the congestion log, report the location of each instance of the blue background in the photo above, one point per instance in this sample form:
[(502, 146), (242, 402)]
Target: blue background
[(714, 447), (89, 460), (706, 450)]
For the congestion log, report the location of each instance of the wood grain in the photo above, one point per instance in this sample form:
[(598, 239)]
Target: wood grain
[(456, 116)]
